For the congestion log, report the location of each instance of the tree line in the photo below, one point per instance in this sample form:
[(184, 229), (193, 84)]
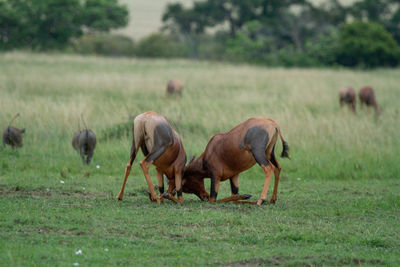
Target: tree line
[(364, 33)]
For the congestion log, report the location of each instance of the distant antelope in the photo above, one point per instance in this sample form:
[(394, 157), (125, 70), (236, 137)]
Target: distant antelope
[(84, 141), (12, 136), (174, 87), (367, 97), (347, 96), (228, 154), (162, 147)]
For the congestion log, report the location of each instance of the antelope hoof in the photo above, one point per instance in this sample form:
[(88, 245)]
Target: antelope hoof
[(272, 201), (119, 198), (260, 202), (166, 195), (246, 196), (152, 199)]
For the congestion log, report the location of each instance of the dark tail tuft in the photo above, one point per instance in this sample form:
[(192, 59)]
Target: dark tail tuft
[(285, 151)]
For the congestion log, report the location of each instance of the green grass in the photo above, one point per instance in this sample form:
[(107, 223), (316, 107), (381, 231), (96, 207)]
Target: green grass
[(339, 196)]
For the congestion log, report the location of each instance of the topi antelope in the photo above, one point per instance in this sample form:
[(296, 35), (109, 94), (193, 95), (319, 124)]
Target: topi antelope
[(174, 87), (162, 147), (347, 96), (367, 97), (84, 141), (12, 136), (228, 154)]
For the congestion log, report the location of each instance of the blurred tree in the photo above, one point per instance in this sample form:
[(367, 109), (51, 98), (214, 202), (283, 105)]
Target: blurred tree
[(385, 12), (367, 44), (103, 15), (49, 24)]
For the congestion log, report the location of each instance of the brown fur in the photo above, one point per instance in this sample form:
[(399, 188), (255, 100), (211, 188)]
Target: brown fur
[(84, 141), (347, 96), (171, 162), (367, 97), (174, 87), (12, 136), (228, 154)]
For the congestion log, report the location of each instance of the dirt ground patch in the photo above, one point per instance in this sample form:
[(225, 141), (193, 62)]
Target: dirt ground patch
[(17, 191)]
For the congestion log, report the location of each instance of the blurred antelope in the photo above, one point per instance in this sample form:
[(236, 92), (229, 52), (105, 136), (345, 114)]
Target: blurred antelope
[(162, 147), (367, 97), (347, 96), (228, 154), (84, 141), (174, 87), (12, 136)]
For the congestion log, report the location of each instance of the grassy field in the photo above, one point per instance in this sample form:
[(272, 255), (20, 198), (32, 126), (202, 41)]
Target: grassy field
[(339, 195)]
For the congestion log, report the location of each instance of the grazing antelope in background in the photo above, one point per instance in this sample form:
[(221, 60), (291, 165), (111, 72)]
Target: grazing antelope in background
[(84, 141), (367, 97), (174, 87), (12, 136), (347, 96), (161, 146), (228, 154)]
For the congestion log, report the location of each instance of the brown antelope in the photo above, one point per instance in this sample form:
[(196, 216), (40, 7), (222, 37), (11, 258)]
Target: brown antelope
[(228, 154), (12, 136), (84, 141), (347, 96), (367, 97), (161, 146), (174, 87)]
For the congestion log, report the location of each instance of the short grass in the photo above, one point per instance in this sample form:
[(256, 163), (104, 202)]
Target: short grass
[(339, 195)]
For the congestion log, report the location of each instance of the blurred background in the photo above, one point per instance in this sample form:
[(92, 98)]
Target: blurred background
[(363, 33)]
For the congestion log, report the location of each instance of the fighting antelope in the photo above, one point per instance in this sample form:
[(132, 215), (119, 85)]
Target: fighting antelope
[(12, 136), (162, 147), (347, 96), (228, 154)]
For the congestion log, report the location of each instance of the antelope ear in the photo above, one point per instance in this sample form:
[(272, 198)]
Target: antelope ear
[(23, 130)]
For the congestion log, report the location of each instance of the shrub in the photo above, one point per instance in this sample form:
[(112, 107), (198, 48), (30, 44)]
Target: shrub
[(367, 44), (104, 44), (324, 49), (160, 45)]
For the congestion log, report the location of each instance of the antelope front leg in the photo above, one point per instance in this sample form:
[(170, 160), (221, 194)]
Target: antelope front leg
[(160, 183), (214, 188), (178, 187), (127, 171), (145, 167), (234, 181)]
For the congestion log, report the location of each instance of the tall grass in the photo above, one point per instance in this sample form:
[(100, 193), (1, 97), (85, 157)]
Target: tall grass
[(51, 91)]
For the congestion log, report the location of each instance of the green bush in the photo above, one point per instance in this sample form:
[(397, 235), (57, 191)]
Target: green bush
[(367, 44), (249, 45), (104, 44), (160, 45), (324, 49)]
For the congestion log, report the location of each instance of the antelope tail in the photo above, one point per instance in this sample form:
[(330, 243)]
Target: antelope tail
[(285, 145)]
